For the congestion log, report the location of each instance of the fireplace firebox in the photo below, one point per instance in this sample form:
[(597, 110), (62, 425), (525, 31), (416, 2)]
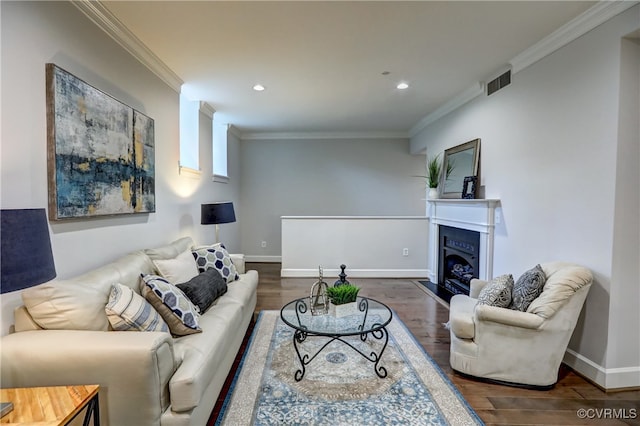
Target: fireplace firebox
[(458, 258)]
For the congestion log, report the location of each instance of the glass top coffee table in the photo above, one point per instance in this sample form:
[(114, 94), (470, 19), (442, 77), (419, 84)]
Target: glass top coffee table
[(370, 318)]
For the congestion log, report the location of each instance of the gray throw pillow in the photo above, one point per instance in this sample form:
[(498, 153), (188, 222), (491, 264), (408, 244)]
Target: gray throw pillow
[(497, 292), (204, 288), (527, 288)]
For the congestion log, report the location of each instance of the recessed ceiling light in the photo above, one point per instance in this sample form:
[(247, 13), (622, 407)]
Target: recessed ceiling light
[(402, 86), (258, 87)]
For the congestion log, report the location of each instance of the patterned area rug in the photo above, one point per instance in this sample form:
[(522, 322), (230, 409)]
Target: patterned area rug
[(340, 387)]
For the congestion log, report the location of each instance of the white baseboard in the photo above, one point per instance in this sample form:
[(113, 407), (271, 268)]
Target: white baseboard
[(356, 273), (606, 378), (262, 259)]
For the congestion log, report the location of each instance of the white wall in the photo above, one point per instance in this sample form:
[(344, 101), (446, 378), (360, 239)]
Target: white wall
[(331, 177), (550, 153), (34, 33)]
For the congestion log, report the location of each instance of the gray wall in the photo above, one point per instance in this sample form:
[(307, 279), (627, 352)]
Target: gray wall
[(332, 177), (560, 150)]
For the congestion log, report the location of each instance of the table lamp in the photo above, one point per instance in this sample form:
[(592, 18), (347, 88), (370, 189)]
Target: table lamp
[(26, 258), (216, 213)]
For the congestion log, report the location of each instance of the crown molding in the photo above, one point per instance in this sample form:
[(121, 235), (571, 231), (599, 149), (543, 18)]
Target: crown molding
[(580, 25), (234, 131), (470, 93), (107, 22), (322, 135), (207, 109)]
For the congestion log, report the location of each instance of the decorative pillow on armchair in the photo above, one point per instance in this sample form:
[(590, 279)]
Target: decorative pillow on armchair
[(171, 303), (216, 256), (204, 289), (497, 292), (527, 288)]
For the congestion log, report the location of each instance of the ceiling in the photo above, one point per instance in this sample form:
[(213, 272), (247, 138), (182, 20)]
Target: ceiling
[(333, 66)]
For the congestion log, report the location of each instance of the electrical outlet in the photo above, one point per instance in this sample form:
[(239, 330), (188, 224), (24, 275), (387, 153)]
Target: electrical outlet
[(405, 252), (263, 244)]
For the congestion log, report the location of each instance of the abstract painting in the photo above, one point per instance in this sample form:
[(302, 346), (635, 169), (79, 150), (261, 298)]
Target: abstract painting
[(101, 152)]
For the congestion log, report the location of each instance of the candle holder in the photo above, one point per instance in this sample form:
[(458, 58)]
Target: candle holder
[(318, 299)]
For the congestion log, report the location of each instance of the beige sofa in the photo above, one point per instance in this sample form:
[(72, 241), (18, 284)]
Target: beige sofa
[(513, 347), (145, 378)]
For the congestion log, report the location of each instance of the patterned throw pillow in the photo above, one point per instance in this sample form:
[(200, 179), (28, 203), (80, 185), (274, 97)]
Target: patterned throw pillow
[(127, 310), (216, 256), (527, 288), (204, 289), (497, 292), (171, 303)]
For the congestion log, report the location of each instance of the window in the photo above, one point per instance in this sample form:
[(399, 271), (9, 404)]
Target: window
[(220, 171), (189, 134)]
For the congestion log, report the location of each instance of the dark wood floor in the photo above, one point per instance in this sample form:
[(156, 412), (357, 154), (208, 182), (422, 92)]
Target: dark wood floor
[(495, 404)]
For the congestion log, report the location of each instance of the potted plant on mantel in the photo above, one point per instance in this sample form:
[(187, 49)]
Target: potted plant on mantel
[(434, 173), (343, 300)]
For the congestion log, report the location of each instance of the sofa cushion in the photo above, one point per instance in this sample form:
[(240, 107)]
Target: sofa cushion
[(527, 288), (127, 310), (180, 269), (171, 303), (171, 250), (497, 292), (204, 288), (78, 303), (216, 256)]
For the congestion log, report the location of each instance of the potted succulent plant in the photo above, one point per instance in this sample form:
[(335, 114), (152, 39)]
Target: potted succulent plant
[(343, 300)]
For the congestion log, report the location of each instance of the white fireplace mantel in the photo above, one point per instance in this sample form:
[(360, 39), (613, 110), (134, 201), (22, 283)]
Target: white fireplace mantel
[(475, 215)]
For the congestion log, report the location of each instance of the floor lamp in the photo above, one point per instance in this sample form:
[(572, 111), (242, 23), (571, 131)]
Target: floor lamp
[(217, 213)]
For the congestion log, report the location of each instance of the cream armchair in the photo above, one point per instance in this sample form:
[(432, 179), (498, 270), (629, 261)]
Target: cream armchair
[(513, 347)]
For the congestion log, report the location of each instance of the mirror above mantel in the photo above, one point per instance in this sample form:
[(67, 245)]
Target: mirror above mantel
[(463, 160)]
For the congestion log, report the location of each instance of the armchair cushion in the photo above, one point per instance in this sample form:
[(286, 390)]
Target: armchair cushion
[(563, 280), (497, 292), (462, 324), (527, 288)]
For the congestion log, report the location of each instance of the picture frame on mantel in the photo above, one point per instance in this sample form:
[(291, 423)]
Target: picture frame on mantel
[(463, 160), (100, 152), (469, 187)]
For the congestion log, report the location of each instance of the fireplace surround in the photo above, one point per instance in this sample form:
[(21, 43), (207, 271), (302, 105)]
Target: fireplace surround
[(446, 215)]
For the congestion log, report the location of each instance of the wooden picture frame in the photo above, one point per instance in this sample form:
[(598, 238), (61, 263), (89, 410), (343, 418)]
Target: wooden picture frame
[(462, 160), (100, 152)]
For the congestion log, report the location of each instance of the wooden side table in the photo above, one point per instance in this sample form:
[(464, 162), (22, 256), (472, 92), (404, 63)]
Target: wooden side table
[(53, 405)]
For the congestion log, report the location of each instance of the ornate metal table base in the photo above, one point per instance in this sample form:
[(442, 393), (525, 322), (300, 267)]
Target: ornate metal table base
[(300, 336), (296, 315)]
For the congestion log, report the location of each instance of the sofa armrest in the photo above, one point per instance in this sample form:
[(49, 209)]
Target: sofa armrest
[(476, 286), (507, 317), (238, 262), (132, 368)]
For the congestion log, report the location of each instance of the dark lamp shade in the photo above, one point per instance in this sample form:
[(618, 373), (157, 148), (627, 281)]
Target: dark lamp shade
[(215, 213), (26, 258)]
